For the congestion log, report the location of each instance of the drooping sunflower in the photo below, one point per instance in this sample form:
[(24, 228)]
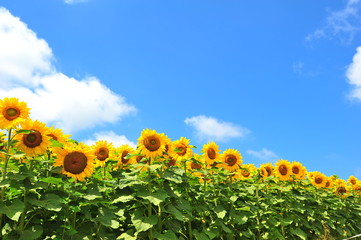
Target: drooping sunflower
[(102, 151), (298, 170), (246, 171), (180, 149), (77, 161), (152, 144), (196, 163), (319, 180), (352, 180), (36, 142), (12, 112), (211, 153), (283, 169), (329, 183), (357, 187), (342, 191), (121, 153), (266, 170), (231, 159)]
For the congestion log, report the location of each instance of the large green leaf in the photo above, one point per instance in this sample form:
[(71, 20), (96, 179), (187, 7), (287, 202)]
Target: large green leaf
[(220, 211), (14, 210), (50, 202), (298, 232), (141, 223), (31, 234), (155, 198)]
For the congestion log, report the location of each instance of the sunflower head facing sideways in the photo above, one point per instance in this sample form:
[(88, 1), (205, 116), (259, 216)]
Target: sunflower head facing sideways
[(121, 153), (266, 170), (210, 153), (12, 112), (152, 144), (37, 141), (77, 161), (180, 149), (298, 170)]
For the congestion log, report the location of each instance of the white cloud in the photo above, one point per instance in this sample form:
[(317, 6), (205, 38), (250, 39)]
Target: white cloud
[(353, 74), (212, 129), (27, 72), (264, 155), (74, 1), (344, 23), (112, 137)]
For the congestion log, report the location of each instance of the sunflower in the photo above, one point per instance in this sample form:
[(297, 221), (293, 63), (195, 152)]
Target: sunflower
[(36, 142), (124, 160), (319, 180), (298, 170), (329, 182), (357, 187), (102, 151), (151, 143), (283, 169), (266, 170), (231, 159), (170, 162), (77, 161), (210, 153), (196, 163), (58, 135), (12, 112), (342, 190), (180, 149), (246, 171), (2, 146), (352, 180)]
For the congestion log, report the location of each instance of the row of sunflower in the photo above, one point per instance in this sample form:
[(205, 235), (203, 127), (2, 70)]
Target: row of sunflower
[(160, 183)]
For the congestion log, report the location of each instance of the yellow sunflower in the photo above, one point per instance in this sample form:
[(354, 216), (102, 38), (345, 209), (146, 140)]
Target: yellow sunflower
[(36, 142), (231, 159), (196, 163), (102, 151), (246, 171), (266, 170), (319, 180), (329, 182), (180, 149), (123, 160), (283, 169), (77, 161), (2, 146), (357, 187), (58, 135), (170, 162), (298, 170), (12, 112), (342, 191), (352, 180), (211, 153), (152, 144)]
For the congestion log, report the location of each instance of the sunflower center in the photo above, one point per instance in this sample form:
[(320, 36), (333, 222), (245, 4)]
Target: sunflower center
[(328, 184), (102, 154), (245, 173), (182, 150), (318, 180), (269, 171), (283, 170), (341, 190), (295, 170), (124, 154), (75, 162), (139, 158), (171, 162), (231, 160), (11, 113), (211, 153), (33, 139), (53, 137), (195, 165), (152, 143), (353, 181)]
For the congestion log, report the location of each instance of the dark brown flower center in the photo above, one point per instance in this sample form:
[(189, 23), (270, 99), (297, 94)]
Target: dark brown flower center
[(269, 171), (171, 162), (341, 190), (11, 113), (195, 165), (245, 173), (182, 150), (231, 160), (152, 143), (283, 170), (318, 180), (328, 183), (33, 139), (102, 154), (295, 170), (124, 154), (75, 162), (353, 181), (211, 153), (139, 159)]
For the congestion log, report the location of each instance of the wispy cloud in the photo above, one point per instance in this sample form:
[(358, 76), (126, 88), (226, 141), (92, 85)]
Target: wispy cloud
[(353, 74), (264, 155), (212, 129), (110, 136), (344, 23), (74, 1), (300, 69), (27, 72)]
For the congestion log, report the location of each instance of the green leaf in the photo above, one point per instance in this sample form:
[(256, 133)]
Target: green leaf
[(220, 211), (93, 193), (23, 131), (155, 198), (126, 236), (107, 218), (55, 143), (31, 234), (286, 221), (50, 202), (298, 232), (141, 223), (168, 235), (52, 180), (200, 235), (171, 176), (175, 212), (123, 199), (14, 210)]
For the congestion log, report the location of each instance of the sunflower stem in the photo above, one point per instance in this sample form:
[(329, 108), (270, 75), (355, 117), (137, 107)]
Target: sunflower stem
[(150, 233)]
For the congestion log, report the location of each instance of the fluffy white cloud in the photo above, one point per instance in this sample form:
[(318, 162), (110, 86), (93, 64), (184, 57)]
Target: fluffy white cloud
[(112, 137), (27, 72), (212, 129), (264, 155), (353, 75), (344, 23)]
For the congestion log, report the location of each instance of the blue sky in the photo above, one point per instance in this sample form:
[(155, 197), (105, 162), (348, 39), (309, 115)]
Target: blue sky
[(273, 79)]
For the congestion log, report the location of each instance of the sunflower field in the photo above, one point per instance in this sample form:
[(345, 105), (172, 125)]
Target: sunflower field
[(53, 187)]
